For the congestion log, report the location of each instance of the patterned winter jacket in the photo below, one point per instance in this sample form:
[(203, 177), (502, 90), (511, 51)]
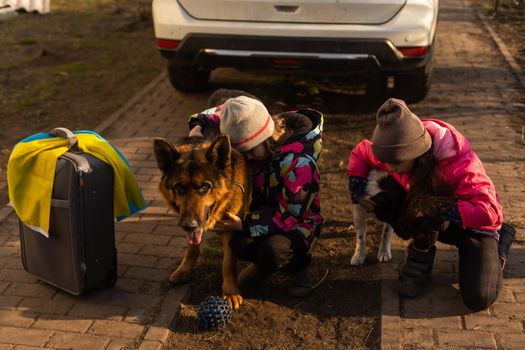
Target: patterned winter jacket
[(458, 166), (285, 195)]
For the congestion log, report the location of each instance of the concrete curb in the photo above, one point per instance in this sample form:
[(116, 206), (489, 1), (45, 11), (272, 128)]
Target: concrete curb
[(126, 106), (160, 329), (390, 320), (516, 69), (514, 66)]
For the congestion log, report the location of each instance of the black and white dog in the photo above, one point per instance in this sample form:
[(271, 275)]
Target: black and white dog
[(387, 198)]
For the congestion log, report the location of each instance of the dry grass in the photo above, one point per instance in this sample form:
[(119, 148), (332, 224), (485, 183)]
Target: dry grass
[(71, 67)]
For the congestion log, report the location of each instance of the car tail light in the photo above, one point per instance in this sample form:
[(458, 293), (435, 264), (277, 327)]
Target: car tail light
[(167, 44), (413, 51), (286, 62)]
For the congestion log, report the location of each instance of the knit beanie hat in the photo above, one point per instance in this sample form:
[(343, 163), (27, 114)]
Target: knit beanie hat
[(246, 121), (399, 134)]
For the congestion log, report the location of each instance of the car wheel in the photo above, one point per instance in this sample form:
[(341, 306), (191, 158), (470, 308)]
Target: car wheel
[(188, 78), (413, 86), (376, 89)]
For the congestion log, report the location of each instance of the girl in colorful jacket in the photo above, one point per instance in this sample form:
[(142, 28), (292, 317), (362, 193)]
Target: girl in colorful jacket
[(285, 216), (433, 162)]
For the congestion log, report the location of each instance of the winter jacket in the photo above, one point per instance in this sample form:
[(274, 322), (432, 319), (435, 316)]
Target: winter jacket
[(285, 195), (458, 166)]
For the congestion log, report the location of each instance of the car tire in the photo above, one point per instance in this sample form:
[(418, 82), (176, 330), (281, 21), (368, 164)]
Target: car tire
[(188, 78), (413, 86), (376, 89)]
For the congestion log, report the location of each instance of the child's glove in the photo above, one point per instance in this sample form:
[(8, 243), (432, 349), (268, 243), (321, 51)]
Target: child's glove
[(357, 187)]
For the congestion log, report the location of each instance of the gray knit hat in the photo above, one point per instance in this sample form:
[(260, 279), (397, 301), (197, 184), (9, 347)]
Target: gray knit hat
[(246, 121), (399, 135)]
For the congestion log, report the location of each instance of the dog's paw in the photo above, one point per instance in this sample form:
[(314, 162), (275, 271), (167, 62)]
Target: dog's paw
[(234, 300), (357, 259), (384, 256), (180, 276)]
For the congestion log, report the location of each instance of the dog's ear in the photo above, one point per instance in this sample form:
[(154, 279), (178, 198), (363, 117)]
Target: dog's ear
[(219, 153), (165, 153)]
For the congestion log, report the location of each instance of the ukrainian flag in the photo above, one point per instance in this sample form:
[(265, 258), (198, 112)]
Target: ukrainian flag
[(31, 171)]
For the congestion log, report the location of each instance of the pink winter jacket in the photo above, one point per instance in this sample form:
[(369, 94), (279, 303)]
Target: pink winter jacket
[(458, 165)]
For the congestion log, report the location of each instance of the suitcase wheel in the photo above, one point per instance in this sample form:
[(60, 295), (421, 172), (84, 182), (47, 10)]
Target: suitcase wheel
[(111, 275)]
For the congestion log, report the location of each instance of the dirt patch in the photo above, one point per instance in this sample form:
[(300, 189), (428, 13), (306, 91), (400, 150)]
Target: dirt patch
[(71, 67), (344, 311)]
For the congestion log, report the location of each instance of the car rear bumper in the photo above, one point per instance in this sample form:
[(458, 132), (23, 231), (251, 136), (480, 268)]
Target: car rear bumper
[(307, 54)]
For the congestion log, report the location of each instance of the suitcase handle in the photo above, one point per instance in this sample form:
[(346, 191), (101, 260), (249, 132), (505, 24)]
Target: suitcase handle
[(68, 135)]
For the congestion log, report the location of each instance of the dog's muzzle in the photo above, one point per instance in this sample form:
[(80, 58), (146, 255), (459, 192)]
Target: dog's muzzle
[(195, 237), (193, 230)]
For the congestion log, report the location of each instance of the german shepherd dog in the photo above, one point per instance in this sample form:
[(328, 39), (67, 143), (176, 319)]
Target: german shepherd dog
[(201, 181)]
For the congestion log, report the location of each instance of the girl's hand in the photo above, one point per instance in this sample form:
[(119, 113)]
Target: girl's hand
[(196, 132), (229, 222)]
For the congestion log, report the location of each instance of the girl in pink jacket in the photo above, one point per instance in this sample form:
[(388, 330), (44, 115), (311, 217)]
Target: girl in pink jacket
[(449, 198)]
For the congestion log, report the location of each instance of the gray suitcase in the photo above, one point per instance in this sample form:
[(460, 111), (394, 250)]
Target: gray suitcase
[(80, 252)]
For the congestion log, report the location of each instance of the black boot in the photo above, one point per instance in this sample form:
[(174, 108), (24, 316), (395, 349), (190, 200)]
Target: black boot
[(414, 276), (507, 233), (250, 279), (300, 285)]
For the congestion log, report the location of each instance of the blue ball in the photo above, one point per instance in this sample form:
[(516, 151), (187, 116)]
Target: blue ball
[(214, 312)]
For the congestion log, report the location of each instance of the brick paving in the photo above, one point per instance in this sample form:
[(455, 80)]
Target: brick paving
[(138, 311), (474, 89)]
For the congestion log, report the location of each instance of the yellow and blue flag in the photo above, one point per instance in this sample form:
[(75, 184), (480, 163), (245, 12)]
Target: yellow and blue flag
[(31, 171)]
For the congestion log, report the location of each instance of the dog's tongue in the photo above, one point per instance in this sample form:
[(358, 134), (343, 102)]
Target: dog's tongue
[(194, 237)]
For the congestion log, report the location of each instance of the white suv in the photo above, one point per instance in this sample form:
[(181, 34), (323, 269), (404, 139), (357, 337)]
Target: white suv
[(375, 38)]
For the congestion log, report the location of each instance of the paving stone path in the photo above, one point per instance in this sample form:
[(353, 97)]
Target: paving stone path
[(473, 89), (137, 312)]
